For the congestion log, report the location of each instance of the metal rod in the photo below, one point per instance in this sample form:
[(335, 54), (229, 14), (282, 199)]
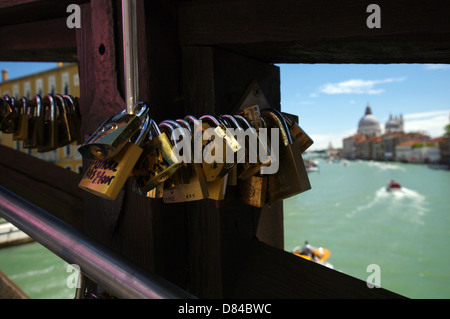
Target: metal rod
[(109, 270), (130, 53)]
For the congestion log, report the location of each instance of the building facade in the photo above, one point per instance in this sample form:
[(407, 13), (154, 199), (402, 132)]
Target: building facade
[(61, 80), (393, 145)]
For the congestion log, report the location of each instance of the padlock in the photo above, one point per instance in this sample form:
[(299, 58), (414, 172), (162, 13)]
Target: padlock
[(241, 155), (218, 152), (299, 136), (76, 114), (157, 162), (188, 183), (253, 190), (253, 115), (9, 115), (113, 134), (49, 140), (106, 177), (291, 178), (65, 128), (257, 151), (35, 123), (21, 126)]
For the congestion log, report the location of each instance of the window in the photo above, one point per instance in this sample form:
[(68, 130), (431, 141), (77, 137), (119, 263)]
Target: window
[(39, 86), (52, 84), (65, 82)]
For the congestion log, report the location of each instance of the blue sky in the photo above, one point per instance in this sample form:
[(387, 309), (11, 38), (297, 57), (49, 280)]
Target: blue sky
[(330, 99)]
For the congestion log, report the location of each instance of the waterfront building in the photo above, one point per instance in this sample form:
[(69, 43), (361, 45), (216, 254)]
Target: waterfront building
[(369, 143), (61, 80), (417, 151)]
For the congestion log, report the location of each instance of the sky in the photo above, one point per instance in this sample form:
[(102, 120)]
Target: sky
[(330, 99)]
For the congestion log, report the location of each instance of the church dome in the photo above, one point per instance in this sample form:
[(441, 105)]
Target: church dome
[(369, 124)]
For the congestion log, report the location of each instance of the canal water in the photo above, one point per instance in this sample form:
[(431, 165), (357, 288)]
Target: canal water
[(348, 211), (406, 232)]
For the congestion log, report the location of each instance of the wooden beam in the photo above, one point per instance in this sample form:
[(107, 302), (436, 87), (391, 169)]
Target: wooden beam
[(47, 40), (44, 184), (24, 11), (270, 273), (313, 32)]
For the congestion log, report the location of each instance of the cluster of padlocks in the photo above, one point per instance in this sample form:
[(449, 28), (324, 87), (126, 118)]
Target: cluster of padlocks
[(43, 123), (184, 160)]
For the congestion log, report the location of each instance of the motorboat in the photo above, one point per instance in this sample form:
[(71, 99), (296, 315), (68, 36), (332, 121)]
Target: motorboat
[(318, 255), (393, 185)]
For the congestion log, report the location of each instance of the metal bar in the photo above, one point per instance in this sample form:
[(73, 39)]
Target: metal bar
[(130, 57), (107, 269)]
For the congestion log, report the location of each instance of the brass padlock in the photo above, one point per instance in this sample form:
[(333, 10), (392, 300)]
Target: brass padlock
[(106, 177), (9, 115), (253, 190), (253, 115), (49, 139), (291, 178), (35, 123), (113, 134), (188, 183), (219, 149), (257, 152), (21, 126), (299, 136), (75, 113), (157, 162), (65, 129)]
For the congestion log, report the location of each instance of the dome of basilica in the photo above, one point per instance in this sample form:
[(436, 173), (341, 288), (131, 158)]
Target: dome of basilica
[(369, 124)]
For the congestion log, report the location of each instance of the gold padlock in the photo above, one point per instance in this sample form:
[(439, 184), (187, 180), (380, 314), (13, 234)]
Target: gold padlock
[(106, 177), (65, 128), (21, 126), (291, 178), (74, 116), (157, 163), (35, 123), (9, 115), (113, 134), (253, 190), (49, 140), (219, 148), (299, 136), (188, 183), (257, 152)]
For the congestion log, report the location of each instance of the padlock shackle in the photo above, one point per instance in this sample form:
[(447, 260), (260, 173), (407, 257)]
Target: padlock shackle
[(38, 110), (166, 125), (153, 125), (63, 105), (144, 129), (185, 124), (211, 119), (231, 120), (175, 124), (21, 109), (192, 120), (52, 106), (278, 119)]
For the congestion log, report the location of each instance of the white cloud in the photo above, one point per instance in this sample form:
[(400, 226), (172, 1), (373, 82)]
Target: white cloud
[(356, 86), (432, 123), (432, 67)]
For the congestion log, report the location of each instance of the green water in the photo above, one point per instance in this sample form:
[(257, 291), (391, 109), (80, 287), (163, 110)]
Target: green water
[(406, 233), (347, 211), (37, 271)]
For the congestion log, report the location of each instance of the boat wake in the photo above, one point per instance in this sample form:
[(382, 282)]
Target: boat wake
[(401, 202)]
